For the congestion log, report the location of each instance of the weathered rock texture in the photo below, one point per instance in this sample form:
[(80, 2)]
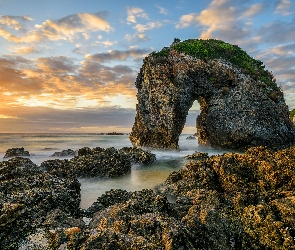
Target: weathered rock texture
[(241, 105), (26, 197)]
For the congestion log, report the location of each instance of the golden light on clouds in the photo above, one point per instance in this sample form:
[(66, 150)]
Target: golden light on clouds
[(75, 69)]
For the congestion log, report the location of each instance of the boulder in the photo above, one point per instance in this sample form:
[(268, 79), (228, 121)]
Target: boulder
[(14, 152), (99, 162), (64, 153), (241, 104)]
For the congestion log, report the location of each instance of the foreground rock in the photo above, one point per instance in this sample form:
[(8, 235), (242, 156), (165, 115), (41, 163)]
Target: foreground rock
[(231, 201), (238, 201), (27, 196), (241, 104), (98, 162), (14, 152)]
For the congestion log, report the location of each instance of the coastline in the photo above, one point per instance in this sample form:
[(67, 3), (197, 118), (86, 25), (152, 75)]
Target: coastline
[(196, 204)]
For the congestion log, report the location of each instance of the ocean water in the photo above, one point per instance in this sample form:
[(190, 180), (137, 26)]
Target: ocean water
[(42, 146)]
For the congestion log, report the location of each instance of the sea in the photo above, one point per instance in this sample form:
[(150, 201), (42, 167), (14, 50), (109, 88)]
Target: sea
[(43, 146)]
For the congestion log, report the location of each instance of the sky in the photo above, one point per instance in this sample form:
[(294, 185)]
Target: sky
[(70, 65)]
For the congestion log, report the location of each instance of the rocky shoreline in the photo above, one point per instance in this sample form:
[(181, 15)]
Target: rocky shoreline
[(229, 201)]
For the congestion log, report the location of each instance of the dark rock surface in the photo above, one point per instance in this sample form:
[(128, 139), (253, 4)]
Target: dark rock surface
[(14, 152), (139, 155), (64, 153), (230, 201), (241, 104), (98, 162), (238, 201), (26, 197)]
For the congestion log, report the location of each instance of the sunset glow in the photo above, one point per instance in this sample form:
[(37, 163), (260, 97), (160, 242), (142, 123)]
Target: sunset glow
[(70, 65)]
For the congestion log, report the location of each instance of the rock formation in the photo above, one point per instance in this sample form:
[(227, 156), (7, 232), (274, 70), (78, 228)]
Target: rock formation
[(14, 152), (229, 201), (241, 104)]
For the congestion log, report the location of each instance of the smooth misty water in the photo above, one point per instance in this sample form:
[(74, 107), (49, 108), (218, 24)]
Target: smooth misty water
[(140, 177)]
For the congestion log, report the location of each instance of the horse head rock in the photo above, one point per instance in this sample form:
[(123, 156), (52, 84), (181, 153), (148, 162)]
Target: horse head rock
[(241, 104)]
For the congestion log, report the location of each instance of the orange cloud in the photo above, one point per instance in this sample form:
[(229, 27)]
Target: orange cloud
[(65, 28), (59, 83), (69, 26)]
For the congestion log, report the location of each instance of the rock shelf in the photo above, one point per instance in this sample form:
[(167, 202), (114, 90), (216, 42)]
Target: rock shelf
[(229, 201)]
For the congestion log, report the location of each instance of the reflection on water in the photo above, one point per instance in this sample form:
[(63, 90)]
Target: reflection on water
[(139, 178)]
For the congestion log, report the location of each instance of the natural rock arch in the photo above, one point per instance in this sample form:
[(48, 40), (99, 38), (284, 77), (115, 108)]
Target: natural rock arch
[(241, 105)]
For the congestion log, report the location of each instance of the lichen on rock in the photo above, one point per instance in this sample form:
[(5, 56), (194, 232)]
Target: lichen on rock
[(241, 104)]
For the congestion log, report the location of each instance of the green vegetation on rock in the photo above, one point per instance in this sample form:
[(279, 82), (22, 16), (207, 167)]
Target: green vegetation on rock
[(217, 49), (292, 114)]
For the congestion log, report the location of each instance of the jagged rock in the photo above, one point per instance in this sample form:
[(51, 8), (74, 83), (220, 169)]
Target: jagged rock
[(97, 162), (197, 156), (64, 153), (229, 201), (14, 152), (140, 222), (238, 201), (58, 229), (27, 195), (241, 104), (139, 155)]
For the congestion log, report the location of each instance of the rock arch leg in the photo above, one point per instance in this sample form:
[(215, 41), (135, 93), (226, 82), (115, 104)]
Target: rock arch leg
[(160, 121)]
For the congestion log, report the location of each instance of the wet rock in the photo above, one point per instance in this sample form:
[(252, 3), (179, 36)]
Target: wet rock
[(97, 162), (241, 104), (26, 197), (58, 230), (64, 153), (14, 152), (139, 155), (197, 156), (140, 222), (239, 201)]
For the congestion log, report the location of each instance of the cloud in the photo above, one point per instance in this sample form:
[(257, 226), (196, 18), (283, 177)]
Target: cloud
[(106, 43), (135, 12), (278, 32), (63, 83), (58, 65), (69, 26), (282, 50), (25, 50), (136, 37), (187, 20), (66, 28), (284, 7), (227, 20), (162, 10), (13, 22), (118, 55), (253, 10), (149, 26)]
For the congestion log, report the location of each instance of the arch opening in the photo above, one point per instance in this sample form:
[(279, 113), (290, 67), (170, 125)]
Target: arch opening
[(190, 127)]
